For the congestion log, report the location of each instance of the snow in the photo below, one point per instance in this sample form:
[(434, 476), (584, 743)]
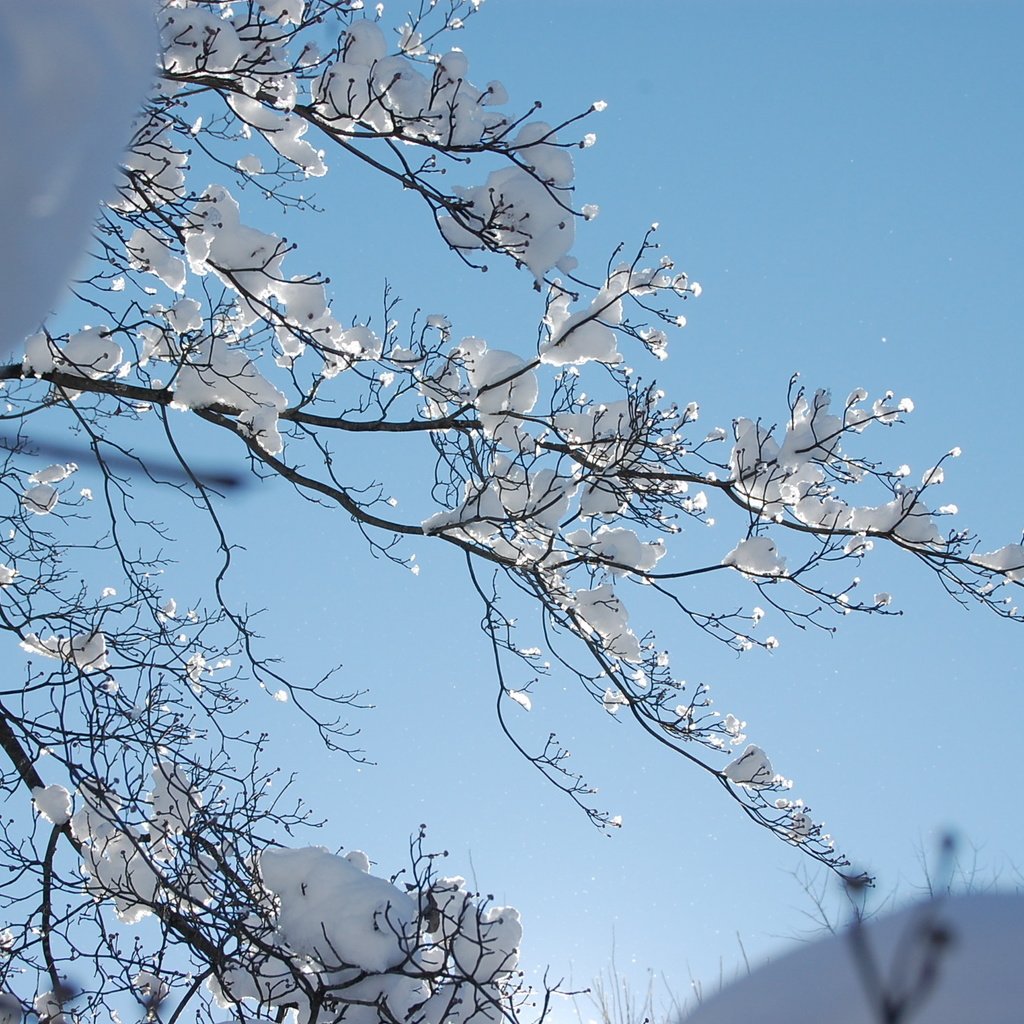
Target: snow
[(734, 727), (501, 379), (751, 769), (601, 497), (116, 867), (385, 952), (91, 352), (485, 944), (410, 41), (336, 913), (88, 651), (773, 478), (502, 386), (283, 131), (619, 545), (504, 211), (114, 864), (95, 818), (974, 942), (599, 611), (250, 164), (48, 1008), (600, 430), (756, 556), (151, 987), (174, 799), (613, 700), (40, 355), (581, 337), (1008, 560), (588, 335), (196, 40), (388, 953), (535, 502), (287, 12), (185, 315), (218, 374), (536, 145), (364, 43), (53, 803), (53, 474), (153, 256), (392, 95), (40, 500), (905, 517), (156, 165), (521, 698), (246, 260)]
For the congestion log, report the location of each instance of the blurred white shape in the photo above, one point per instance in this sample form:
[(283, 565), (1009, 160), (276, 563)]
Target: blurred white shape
[(73, 73), (972, 942)]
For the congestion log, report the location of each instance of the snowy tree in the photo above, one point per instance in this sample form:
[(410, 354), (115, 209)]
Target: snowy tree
[(561, 473)]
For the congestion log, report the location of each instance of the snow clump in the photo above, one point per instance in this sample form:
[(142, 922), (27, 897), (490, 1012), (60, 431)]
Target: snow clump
[(751, 769), (87, 651), (756, 556), (53, 803), (1008, 560)]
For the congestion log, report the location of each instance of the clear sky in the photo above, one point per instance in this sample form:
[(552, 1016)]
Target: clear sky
[(844, 181)]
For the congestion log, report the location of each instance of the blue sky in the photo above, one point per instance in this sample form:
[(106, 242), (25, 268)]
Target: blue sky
[(844, 181)]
